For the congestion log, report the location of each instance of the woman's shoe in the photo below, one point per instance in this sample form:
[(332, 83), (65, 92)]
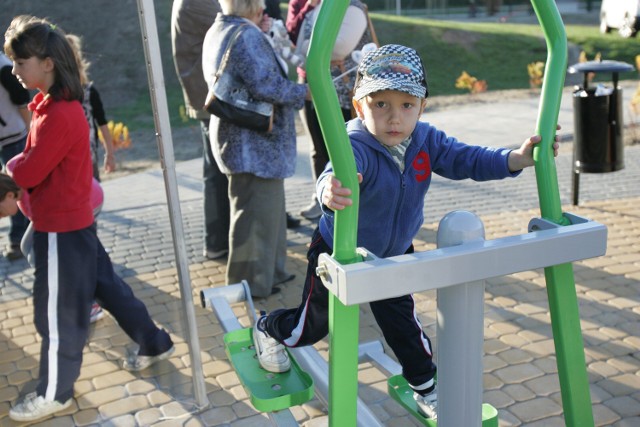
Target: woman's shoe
[(292, 222), (312, 211)]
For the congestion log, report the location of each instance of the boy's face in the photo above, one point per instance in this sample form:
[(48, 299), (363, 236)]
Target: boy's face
[(34, 73), (390, 115), (9, 205)]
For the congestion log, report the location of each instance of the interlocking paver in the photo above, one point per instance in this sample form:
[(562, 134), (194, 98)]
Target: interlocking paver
[(123, 406), (535, 409), (520, 374)]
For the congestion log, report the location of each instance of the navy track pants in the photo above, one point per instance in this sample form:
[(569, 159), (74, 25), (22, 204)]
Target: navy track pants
[(71, 270), (396, 317)]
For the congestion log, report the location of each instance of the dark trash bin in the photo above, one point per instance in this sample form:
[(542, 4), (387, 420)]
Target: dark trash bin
[(598, 144)]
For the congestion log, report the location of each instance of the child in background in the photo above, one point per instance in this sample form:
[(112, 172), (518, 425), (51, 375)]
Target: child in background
[(395, 156), (72, 267), (10, 193), (14, 126), (94, 111)]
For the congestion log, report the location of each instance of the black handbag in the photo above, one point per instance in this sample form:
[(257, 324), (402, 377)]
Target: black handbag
[(229, 99)]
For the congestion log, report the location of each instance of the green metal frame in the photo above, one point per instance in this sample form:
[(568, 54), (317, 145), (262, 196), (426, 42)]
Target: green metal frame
[(343, 341), (561, 287), (269, 392), (399, 389)]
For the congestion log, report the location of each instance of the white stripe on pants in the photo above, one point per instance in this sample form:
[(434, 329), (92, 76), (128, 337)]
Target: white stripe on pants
[(52, 317)]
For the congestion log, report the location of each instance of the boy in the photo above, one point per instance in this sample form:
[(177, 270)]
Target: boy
[(395, 156)]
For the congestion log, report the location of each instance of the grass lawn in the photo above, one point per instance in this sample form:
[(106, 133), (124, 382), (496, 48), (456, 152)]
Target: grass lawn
[(495, 52)]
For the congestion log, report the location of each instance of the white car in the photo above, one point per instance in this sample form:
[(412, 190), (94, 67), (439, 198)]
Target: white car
[(621, 14)]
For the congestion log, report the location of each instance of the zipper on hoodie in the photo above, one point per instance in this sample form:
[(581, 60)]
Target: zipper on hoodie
[(396, 214)]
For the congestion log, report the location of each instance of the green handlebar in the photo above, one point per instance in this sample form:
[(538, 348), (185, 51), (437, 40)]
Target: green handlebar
[(561, 290), (546, 175), (343, 320), (331, 121)]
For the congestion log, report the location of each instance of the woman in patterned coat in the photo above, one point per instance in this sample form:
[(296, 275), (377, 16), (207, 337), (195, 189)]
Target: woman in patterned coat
[(256, 163)]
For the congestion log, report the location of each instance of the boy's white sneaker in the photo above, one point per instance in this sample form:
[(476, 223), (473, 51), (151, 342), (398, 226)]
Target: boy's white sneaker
[(271, 354), (34, 407), (427, 404)]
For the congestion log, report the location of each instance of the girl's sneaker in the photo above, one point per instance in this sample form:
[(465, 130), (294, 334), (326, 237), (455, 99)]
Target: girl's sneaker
[(138, 363), (96, 313), (34, 407)]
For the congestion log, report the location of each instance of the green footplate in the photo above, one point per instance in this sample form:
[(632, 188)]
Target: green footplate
[(400, 391), (269, 392)]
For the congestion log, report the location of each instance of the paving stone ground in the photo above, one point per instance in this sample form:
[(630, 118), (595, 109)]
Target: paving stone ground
[(520, 375)]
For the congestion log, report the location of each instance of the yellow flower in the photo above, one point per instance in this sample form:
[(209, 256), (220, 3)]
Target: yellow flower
[(126, 140), (583, 57), (119, 134), (536, 72), (470, 83), (465, 81), (635, 100), (479, 86)]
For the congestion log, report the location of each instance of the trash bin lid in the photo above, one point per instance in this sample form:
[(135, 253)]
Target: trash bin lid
[(600, 67)]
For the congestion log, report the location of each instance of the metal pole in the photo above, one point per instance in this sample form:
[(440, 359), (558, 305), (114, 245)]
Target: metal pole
[(460, 332), (167, 161)]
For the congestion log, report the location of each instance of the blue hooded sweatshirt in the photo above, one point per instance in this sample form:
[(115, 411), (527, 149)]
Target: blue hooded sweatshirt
[(391, 202)]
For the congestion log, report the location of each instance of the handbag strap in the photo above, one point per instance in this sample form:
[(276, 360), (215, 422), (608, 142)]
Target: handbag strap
[(372, 31), (227, 52)]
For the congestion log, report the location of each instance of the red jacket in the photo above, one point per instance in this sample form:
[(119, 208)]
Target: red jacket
[(56, 167)]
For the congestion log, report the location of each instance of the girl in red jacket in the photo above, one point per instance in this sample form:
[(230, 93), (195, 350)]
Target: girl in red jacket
[(72, 267)]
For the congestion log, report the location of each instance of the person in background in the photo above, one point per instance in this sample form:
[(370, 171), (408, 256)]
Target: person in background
[(10, 194), (272, 9), (395, 156), (296, 12), (353, 35), (72, 268), (94, 112), (256, 163), (14, 126), (190, 20)]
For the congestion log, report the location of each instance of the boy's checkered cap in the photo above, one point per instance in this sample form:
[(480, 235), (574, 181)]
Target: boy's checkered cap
[(391, 67)]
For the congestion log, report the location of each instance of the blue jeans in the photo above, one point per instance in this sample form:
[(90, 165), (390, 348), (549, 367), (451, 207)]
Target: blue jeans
[(19, 222), (216, 198)]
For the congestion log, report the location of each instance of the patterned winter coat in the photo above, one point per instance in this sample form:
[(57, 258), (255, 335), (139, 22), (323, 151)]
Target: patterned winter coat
[(268, 155)]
